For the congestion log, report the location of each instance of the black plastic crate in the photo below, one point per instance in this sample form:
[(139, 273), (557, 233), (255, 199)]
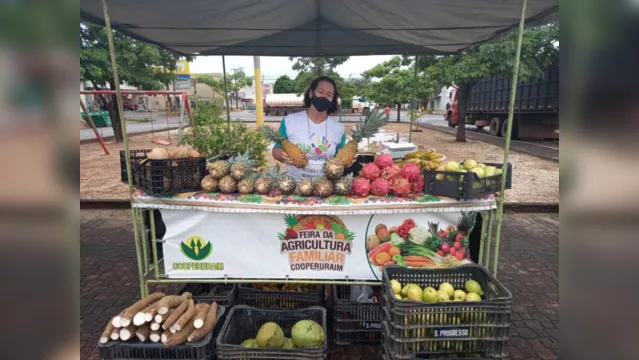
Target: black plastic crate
[(164, 177), (135, 350), (243, 322), (386, 355), (268, 299), (359, 163), (355, 321), (464, 185), (459, 327), (222, 294)]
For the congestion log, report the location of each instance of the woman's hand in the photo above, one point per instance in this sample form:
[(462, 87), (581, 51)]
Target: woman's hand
[(285, 158), (281, 156)]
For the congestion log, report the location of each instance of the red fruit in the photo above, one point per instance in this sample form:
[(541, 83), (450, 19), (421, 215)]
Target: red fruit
[(459, 237), (440, 253), (380, 187), (445, 247), (384, 161), (370, 171), (452, 251), (409, 223), (410, 171), (310, 226), (459, 255), (417, 186), (401, 186), (403, 231), (442, 234), (457, 245), (361, 186), (389, 173), (290, 234)]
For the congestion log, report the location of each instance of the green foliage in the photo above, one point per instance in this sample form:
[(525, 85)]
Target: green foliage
[(318, 66), (234, 82), (212, 135), (284, 85)]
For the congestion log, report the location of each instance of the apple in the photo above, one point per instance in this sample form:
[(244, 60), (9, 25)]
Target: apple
[(460, 255), (414, 293), (398, 297), (429, 295), (459, 295), (396, 286), (471, 296), (404, 290), (442, 296), (448, 288)]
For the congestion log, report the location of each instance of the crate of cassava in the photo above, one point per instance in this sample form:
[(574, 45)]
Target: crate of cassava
[(141, 339), (164, 172), (251, 333), (223, 294), (356, 319), (466, 184), (444, 311), (280, 296)]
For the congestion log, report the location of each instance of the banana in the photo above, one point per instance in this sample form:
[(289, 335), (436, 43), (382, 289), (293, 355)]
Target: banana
[(413, 161), (431, 165), (430, 152), (413, 155), (436, 156)]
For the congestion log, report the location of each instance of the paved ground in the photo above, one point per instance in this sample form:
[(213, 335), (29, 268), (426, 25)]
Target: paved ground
[(529, 268)]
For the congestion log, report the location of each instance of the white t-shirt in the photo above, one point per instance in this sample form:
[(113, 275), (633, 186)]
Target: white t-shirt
[(319, 141)]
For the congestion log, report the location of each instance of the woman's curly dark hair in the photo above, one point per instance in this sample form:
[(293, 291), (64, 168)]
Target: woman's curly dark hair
[(313, 86)]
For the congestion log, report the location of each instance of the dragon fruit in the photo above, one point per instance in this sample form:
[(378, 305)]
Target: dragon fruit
[(361, 186), (380, 187), (370, 171), (389, 173), (410, 171), (417, 186), (401, 186), (384, 161)]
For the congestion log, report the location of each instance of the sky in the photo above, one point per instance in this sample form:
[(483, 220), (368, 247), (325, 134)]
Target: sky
[(274, 66)]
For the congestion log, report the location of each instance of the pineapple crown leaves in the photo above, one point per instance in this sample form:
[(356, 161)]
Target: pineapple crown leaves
[(467, 221), (271, 134), (375, 120), (291, 220)]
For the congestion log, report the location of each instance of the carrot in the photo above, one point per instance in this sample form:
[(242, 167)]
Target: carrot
[(416, 258), (419, 264), (383, 247)]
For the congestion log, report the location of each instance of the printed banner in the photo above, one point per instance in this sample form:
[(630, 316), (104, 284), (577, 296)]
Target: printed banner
[(201, 244)]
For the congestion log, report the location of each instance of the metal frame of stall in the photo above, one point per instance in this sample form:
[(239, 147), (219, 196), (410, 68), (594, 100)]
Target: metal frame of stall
[(150, 274)]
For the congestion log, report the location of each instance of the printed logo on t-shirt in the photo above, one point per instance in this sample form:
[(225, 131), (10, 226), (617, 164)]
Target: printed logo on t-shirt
[(322, 146)]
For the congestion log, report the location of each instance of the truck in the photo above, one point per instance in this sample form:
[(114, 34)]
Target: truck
[(536, 106), (284, 104)]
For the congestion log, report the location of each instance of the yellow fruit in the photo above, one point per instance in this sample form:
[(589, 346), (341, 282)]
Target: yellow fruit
[(431, 165), (373, 122), (297, 156), (436, 156)]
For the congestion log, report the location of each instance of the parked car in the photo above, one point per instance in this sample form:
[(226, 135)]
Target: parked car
[(128, 105)]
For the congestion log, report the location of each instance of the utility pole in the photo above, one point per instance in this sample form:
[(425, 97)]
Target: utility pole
[(259, 109)]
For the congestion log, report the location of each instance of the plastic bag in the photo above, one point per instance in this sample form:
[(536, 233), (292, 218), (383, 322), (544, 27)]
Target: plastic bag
[(361, 294)]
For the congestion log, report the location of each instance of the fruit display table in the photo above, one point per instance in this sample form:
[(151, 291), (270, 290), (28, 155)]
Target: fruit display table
[(212, 237)]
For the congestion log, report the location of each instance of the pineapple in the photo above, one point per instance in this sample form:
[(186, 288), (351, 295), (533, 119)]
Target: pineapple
[(322, 187), (344, 186), (241, 166), (373, 122), (305, 187), (466, 222), (227, 185), (297, 156), (247, 185), (219, 169), (333, 169), (209, 184), (264, 183), (286, 184)]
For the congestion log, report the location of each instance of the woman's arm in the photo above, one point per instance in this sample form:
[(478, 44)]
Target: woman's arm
[(277, 152)]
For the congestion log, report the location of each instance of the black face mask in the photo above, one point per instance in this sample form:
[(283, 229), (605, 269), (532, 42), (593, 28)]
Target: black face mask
[(321, 103)]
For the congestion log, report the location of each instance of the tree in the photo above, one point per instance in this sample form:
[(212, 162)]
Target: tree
[(397, 83), (235, 81), (284, 85), (139, 64), (318, 66), (495, 58)]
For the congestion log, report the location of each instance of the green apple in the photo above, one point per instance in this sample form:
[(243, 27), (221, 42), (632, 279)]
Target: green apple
[(442, 296), (414, 293), (451, 166), (459, 295), (404, 290), (398, 297), (469, 164), (490, 171), (471, 296), (429, 295), (481, 165), (448, 288), (473, 286), (479, 171), (396, 286)]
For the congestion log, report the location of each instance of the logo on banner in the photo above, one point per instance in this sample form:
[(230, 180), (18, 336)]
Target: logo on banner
[(316, 242), (196, 248)]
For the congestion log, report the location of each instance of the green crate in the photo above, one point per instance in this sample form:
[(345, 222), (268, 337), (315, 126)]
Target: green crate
[(100, 118)]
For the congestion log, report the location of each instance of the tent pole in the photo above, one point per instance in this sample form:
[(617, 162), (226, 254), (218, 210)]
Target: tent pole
[(125, 139), (511, 112), (226, 96), (414, 112), (259, 99)]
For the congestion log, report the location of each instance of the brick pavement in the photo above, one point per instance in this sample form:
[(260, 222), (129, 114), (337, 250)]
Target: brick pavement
[(529, 268)]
